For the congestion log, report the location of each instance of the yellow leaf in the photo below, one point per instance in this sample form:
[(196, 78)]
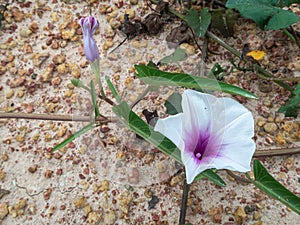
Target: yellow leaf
[(256, 54)]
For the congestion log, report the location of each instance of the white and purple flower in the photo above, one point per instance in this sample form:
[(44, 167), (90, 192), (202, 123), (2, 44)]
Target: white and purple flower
[(211, 132), (89, 26)]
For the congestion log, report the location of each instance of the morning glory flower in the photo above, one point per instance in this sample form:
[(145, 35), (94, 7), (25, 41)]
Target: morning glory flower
[(89, 26), (211, 132)]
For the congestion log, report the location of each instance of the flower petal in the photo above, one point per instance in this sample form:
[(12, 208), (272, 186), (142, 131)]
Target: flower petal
[(237, 143), (171, 127), (195, 104), (90, 48), (89, 26)]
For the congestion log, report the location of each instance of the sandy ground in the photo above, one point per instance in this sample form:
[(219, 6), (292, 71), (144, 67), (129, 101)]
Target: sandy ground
[(107, 176)]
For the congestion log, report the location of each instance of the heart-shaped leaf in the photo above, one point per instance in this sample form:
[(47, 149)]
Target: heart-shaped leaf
[(268, 14), (198, 24), (265, 182)]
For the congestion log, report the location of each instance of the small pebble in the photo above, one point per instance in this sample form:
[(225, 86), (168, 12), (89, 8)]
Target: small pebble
[(33, 168), (154, 200), (175, 180), (3, 210), (31, 208), (10, 94), (48, 173), (68, 34), (47, 194), (256, 216), (12, 211), (80, 202), (249, 209), (115, 24), (87, 209), (109, 217), (133, 2), (103, 186), (189, 49), (216, 214), (279, 139), (289, 163), (270, 128), (134, 176), (240, 215), (25, 32), (94, 217), (130, 12), (4, 157), (148, 193)]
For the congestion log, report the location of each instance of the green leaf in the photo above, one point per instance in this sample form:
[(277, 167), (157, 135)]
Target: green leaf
[(292, 106), (173, 104), (231, 17), (140, 127), (113, 89), (223, 21), (193, 20), (73, 136), (265, 182), (178, 55), (160, 78), (93, 93), (199, 25), (268, 14), (78, 83), (205, 21), (212, 176)]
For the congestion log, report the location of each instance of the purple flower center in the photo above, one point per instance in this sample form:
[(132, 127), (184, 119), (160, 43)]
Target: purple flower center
[(92, 21), (201, 144)]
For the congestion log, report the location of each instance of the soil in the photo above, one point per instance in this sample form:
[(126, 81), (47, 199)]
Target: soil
[(108, 175)]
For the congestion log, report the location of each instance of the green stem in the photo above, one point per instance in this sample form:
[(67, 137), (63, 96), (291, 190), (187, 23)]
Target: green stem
[(78, 83), (230, 173), (292, 79), (96, 70), (189, 4), (140, 97), (109, 101), (292, 37), (185, 194), (204, 56), (75, 135)]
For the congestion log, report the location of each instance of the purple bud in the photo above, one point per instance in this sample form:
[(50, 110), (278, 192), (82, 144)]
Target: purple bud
[(89, 26)]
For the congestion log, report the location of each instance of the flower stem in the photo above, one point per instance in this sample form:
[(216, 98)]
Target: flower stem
[(291, 34), (96, 70), (141, 96), (185, 194), (74, 118), (238, 178), (109, 101)]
